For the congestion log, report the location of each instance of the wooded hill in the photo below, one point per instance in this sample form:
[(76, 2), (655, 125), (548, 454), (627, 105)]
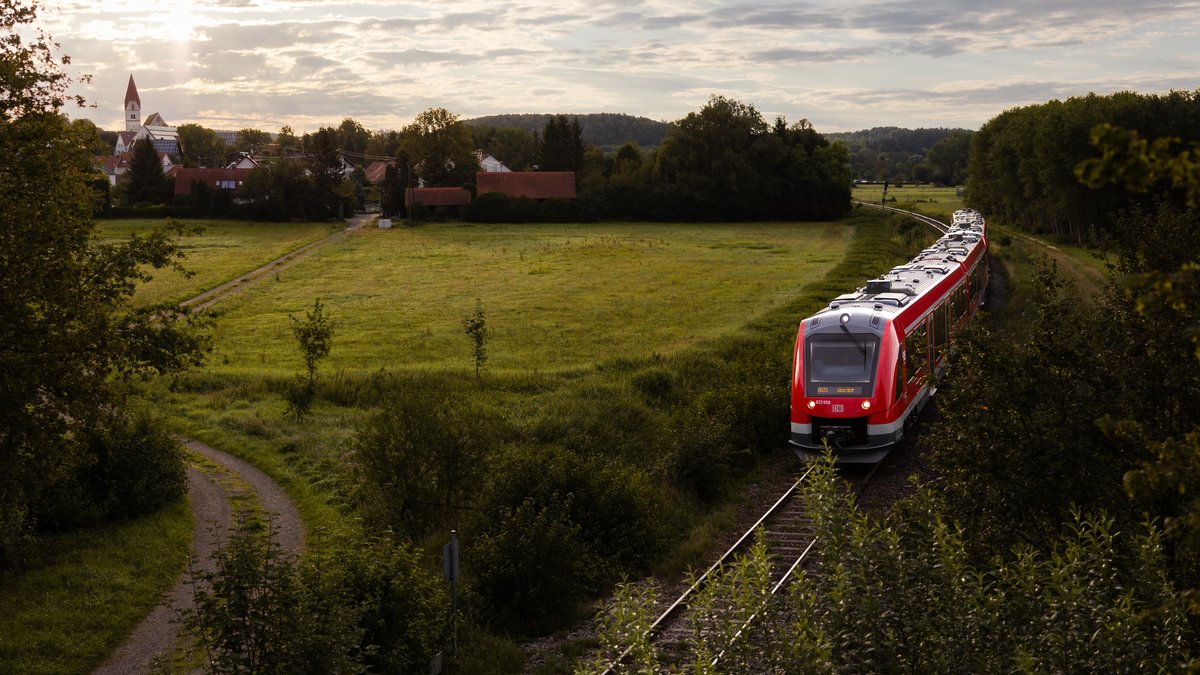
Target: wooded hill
[(901, 155), (605, 130)]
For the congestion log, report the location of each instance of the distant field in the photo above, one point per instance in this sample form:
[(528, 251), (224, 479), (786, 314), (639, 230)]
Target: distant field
[(225, 250), (557, 297), (933, 201)]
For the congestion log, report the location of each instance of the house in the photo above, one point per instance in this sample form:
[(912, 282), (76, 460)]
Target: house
[(438, 196), (245, 161), (112, 167), (376, 171), (530, 184), (490, 164), (216, 179)]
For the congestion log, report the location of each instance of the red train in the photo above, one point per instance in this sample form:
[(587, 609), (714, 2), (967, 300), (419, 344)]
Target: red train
[(866, 364)]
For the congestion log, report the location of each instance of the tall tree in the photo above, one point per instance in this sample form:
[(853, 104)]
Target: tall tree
[(68, 325), (252, 141), (441, 148), (145, 182), (352, 137), (202, 146), (562, 145), (332, 194)]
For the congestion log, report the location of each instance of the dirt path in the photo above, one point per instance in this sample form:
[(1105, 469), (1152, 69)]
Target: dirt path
[(212, 296), (212, 516)]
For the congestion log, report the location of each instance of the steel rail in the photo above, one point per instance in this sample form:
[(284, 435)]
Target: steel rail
[(681, 602)]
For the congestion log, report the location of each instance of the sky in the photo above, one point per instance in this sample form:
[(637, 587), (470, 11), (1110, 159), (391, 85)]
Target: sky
[(843, 65)]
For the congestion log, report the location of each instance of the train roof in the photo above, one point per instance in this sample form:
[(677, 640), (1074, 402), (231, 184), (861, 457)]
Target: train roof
[(904, 284)]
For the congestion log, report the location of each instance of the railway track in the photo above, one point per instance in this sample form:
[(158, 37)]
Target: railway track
[(932, 222), (791, 544)]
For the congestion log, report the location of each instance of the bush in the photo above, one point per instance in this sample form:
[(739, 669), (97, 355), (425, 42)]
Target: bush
[(134, 467), (532, 565), (416, 457)]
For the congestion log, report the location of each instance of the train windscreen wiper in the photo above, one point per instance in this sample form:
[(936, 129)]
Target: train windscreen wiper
[(861, 349)]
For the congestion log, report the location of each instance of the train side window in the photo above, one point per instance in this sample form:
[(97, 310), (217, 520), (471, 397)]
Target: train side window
[(939, 331), (898, 385), (915, 350)]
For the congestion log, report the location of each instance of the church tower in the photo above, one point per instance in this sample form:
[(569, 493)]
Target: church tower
[(133, 107)]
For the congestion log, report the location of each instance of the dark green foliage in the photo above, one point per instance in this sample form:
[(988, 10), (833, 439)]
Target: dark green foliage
[(561, 145), (1022, 167), (882, 153), (67, 324), (533, 566), (402, 609), (441, 148), (202, 147), (1018, 446), (332, 195), (417, 459), (257, 614), (282, 190), (144, 182), (130, 467), (947, 160), (601, 129), (902, 597), (726, 163), (492, 207)]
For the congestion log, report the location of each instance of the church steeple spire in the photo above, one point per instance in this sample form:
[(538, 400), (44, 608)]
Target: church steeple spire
[(133, 107)]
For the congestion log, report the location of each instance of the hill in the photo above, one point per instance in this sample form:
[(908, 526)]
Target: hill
[(889, 152), (606, 130)]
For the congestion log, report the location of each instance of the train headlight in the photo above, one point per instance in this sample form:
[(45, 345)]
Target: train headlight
[(845, 319), (812, 404), (866, 405)]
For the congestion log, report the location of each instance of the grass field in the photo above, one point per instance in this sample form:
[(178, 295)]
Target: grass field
[(557, 297), (939, 202), (223, 251)]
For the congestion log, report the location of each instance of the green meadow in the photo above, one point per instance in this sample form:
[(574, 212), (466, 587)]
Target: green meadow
[(556, 297), (223, 251), (939, 202)]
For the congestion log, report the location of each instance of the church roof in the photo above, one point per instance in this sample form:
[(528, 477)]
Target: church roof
[(131, 93)]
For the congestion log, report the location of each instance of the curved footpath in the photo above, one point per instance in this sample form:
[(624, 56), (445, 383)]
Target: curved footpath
[(212, 517)]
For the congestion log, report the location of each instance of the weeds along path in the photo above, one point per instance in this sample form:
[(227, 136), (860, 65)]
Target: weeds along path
[(212, 296)]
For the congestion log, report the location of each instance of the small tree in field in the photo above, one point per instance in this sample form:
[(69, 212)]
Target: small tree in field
[(315, 335), (475, 326)]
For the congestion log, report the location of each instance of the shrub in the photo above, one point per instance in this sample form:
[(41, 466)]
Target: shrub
[(134, 467), (418, 455)]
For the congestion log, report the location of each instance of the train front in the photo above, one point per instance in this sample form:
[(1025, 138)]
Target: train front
[(841, 383)]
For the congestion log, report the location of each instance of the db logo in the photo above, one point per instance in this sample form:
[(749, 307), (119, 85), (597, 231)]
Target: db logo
[(838, 407)]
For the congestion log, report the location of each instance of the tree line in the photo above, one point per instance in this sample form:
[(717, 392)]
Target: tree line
[(723, 162), (899, 156), (1022, 165)]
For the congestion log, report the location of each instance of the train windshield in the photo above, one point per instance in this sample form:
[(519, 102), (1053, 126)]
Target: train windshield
[(837, 365)]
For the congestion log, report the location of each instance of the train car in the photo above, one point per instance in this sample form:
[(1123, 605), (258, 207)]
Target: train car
[(865, 365)]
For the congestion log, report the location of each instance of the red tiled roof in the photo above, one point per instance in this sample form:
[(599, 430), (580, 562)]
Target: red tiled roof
[(131, 92), (532, 184), (443, 196), (376, 170), (213, 177)]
